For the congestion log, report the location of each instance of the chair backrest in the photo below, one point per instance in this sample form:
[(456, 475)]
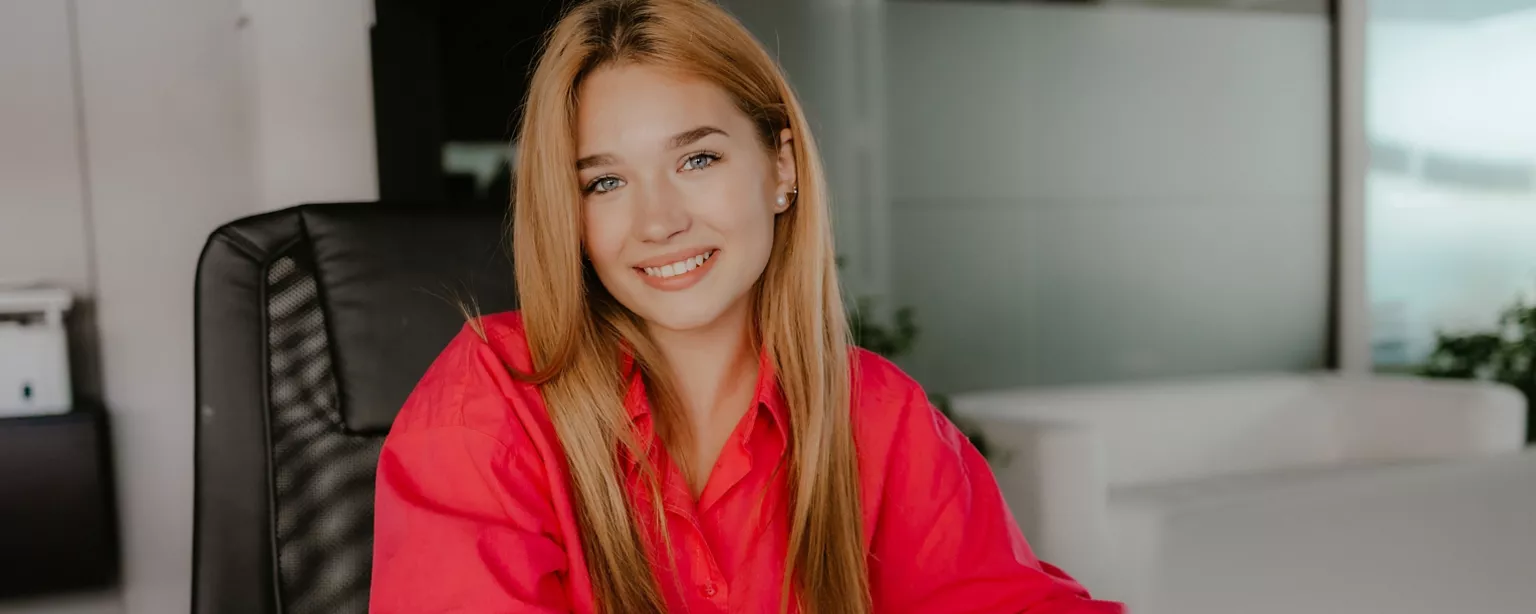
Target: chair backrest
[(313, 324)]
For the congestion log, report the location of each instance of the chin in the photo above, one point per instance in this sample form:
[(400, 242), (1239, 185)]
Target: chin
[(682, 315)]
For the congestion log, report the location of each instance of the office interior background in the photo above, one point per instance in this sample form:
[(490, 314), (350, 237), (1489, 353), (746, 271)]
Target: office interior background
[(1066, 194)]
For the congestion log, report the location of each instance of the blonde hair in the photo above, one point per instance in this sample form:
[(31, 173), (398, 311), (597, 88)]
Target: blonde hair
[(577, 331)]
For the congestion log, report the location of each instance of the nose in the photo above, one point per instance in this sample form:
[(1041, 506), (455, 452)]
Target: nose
[(660, 214)]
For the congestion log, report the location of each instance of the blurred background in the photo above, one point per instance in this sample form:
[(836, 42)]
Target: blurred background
[(1048, 195)]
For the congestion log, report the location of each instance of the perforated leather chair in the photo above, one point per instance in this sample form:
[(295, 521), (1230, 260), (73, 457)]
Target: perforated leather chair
[(313, 324)]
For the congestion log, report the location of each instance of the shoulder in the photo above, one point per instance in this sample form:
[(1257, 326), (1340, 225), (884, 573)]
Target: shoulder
[(878, 382), (471, 384), (903, 442), (888, 404), (503, 334)]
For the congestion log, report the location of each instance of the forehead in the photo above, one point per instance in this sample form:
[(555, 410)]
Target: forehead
[(639, 106)]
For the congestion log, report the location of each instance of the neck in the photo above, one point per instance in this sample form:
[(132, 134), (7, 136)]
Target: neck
[(710, 364)]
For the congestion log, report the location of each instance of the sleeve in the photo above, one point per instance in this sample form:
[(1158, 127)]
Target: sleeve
[(462, 516), (944, 539)]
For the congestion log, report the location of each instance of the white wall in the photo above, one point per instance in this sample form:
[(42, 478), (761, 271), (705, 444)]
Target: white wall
[(170, 157), (1086, 193), (309, 76), (43, 233)]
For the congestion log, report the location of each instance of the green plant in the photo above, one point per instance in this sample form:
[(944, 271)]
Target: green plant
[(1506, 354), (896, 339)]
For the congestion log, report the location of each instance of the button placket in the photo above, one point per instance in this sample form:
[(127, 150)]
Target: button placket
[(709, 580)]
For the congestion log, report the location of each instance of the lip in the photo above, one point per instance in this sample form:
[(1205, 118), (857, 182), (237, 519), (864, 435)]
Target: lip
[(677, 282), (671, 257)]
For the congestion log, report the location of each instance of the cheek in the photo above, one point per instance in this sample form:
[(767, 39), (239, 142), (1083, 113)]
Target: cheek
[(602, 235), (741, 208)]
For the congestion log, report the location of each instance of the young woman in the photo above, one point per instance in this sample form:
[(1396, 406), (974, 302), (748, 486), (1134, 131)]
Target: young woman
[(675, 421)]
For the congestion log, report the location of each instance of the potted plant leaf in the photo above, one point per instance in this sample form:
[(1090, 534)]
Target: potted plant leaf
[(1506, 354)]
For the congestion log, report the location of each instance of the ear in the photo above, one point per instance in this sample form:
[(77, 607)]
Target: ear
[(785, 165)]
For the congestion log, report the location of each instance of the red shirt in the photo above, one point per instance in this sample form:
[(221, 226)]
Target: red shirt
[(474, 511)]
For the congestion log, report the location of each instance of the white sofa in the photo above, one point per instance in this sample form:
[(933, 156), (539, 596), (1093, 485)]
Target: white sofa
[(1276, 493)]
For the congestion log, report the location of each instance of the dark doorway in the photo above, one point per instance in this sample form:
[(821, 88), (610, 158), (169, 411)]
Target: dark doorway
[(448, 79)]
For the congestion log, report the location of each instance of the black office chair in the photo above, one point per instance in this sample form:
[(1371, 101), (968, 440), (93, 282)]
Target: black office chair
[(313, 324)]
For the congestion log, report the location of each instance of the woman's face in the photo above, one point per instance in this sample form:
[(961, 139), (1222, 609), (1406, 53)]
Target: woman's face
[(679, 194)]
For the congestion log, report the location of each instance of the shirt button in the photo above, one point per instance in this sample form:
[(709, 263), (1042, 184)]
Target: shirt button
[(708, 589)]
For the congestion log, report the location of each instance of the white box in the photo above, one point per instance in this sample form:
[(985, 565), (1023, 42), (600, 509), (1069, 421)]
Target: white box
[(34, 352)]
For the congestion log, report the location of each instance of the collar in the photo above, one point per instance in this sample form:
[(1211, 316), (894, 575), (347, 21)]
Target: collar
[(766, 396)]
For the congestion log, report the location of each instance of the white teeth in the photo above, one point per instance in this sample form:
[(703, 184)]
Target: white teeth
[(679, 267)]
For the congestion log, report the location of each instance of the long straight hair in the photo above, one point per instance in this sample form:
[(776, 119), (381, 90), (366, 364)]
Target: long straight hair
[(577, 332)]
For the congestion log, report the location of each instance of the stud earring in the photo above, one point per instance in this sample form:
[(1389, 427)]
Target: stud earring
[(783, 202)]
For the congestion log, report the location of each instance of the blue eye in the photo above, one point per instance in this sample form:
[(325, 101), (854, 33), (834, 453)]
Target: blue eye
[(699, 161), (604, 184)]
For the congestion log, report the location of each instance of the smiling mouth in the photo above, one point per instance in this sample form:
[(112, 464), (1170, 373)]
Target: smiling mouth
[(680, 267)]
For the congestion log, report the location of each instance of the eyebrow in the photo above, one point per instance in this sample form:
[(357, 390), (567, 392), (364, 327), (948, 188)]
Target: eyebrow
[(591, 161), (679, 140), (684, 139)]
